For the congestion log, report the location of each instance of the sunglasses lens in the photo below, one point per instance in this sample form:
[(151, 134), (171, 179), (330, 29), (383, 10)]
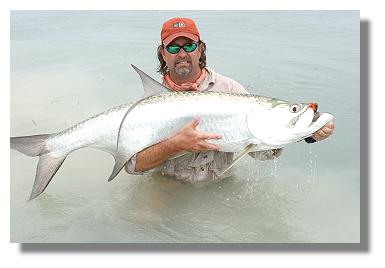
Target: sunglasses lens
[(173, 49), (190, 47)]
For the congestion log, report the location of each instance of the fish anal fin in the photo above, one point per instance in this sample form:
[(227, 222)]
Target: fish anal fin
[(245, 151)]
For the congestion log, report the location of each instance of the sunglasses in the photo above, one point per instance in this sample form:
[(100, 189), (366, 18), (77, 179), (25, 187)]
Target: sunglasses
[(174, 49)]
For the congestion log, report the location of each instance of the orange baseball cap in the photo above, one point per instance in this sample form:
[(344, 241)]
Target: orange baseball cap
[(177, 27)]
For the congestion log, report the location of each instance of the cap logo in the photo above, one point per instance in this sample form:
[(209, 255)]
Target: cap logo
[(178, 24)]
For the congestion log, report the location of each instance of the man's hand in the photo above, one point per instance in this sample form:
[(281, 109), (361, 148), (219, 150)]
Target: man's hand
[(187, 139), (191, 140), (324, 132)]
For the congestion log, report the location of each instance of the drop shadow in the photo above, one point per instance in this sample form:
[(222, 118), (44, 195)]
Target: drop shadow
[(363, 246)]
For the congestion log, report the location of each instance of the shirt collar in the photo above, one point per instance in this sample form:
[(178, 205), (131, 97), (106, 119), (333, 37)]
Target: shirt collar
[(210, 79)]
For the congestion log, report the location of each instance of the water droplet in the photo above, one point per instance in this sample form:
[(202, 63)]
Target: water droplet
[(312, 164)]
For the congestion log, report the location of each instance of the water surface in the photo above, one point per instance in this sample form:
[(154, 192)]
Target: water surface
[(69, 65)]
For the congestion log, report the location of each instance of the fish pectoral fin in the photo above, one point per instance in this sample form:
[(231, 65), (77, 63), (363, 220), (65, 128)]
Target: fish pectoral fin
[(245, 151), (120, 161), (150, 85), (46, 169)]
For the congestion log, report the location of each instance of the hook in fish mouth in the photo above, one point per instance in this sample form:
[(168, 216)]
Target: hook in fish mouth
[(313, 106)]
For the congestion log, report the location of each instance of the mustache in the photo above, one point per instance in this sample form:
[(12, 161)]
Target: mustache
[(179, 60)]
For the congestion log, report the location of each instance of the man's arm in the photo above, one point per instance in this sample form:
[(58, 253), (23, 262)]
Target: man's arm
[(188, 139), (155, 155)]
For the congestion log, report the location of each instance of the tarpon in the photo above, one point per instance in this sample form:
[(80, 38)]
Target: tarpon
[(246, 123)]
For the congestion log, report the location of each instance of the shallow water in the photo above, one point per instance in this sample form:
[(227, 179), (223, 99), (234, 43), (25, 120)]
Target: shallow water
[(68, 66)]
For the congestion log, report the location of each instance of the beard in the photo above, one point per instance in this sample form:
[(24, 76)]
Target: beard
[(184, 69)]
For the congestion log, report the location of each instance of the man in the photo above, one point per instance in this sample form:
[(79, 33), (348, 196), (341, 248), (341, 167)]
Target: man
[(182, 57)]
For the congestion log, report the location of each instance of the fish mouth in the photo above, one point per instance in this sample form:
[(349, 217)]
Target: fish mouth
[(314, 107), (315, 117)]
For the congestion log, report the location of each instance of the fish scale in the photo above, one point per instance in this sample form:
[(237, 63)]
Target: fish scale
[(164, 115), (245, 122)]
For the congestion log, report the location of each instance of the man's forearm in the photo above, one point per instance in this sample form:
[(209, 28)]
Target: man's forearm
[(155, 155)]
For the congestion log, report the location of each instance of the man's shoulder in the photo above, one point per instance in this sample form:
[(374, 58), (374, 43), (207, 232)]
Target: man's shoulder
[(219, 77), (224, 83)]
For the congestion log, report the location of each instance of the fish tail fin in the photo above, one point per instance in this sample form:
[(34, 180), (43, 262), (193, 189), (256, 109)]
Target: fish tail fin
[(30, 145), (48, 165), (46, 169)]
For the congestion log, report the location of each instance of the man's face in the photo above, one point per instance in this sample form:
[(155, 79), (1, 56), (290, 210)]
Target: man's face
[(182, 64)]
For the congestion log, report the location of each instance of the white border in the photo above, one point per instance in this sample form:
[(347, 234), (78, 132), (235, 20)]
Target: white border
[(12, 254)]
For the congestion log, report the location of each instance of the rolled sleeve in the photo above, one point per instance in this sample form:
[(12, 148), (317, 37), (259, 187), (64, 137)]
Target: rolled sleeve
[(129, 167)]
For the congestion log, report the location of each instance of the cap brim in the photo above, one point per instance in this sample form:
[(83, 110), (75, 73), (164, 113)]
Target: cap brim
[(169, 39)]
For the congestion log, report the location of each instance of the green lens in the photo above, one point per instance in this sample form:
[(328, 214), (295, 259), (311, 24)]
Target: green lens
[(173, 49), (190, 47)]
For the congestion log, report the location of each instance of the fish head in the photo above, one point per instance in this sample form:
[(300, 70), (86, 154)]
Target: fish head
[(280, 122), (308, 122), (302, 115)]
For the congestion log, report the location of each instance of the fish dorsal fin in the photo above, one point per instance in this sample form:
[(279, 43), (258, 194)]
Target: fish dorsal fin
[(151, 88), (150, 85)]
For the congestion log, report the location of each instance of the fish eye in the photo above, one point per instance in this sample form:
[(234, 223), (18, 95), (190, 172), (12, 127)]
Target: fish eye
[(295, 108)]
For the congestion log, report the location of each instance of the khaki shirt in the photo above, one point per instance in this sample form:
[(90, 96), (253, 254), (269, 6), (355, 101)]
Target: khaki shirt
[(198, 167)]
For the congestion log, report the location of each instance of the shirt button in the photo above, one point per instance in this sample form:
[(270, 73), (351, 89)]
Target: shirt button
[(205, 156), (203, 169)]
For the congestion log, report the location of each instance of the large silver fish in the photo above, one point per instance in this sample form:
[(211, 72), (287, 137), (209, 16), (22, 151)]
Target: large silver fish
[(246, 122)]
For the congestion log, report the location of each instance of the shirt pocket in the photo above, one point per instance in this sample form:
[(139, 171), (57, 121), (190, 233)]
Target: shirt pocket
[(202, 159)]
